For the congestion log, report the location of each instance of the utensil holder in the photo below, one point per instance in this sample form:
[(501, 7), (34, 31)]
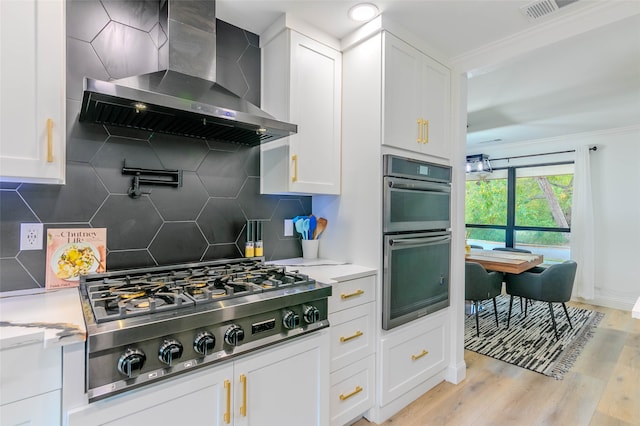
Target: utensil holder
[(309, 249)]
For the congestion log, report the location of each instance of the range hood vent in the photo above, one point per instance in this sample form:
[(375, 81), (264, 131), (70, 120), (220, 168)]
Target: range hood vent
[(540, 8), (183, 99)]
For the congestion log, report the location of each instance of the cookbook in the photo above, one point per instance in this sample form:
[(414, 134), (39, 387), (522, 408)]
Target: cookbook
[(74, 252)]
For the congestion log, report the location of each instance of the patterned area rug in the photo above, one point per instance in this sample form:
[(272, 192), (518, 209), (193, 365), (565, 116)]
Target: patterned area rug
[(530, 342)]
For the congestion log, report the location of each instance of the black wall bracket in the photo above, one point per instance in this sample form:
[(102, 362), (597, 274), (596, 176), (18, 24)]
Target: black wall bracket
[(150, 177)]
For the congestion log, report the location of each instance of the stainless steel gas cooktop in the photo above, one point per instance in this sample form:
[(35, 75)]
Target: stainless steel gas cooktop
[(148, 324)]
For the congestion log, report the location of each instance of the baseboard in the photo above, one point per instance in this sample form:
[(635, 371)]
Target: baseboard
[(456, 373)]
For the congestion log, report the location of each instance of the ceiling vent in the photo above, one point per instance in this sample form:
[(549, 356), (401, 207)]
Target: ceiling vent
[(540, 8)]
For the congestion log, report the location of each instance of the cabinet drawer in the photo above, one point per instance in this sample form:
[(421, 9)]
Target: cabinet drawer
[(412, 356), (352, 335), (29, 370), (41, 410), (350, 293), (352, 390)]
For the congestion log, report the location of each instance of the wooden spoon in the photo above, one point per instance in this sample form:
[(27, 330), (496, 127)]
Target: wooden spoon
[(321, 224)]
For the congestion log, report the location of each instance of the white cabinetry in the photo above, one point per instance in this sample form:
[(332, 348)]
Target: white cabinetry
[(284, 385), (416, 100), (353, 342), (31, 380), (301, 84), (32, 83), (412, 355)]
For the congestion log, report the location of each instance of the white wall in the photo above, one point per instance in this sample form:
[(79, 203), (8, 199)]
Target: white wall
[(615, 174)]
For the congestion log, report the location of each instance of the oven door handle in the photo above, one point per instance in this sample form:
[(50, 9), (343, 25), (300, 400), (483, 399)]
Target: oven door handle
[(426, 241), (418, 186)]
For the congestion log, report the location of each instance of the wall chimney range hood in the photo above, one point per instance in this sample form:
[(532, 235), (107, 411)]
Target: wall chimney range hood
[(183, 99)]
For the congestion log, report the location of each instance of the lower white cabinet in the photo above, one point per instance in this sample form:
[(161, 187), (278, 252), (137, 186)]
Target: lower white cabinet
[(352, 390), (31, 379), (412, 355), (284, 385)]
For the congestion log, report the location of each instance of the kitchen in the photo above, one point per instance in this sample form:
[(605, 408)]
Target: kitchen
[(203, 220)]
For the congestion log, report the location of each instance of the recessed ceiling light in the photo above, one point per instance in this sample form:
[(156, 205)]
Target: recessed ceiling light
[(363, 12)]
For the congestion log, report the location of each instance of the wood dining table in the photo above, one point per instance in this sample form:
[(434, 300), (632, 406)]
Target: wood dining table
[(504, 261)]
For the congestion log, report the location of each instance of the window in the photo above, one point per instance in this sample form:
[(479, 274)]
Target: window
[(522, 207)]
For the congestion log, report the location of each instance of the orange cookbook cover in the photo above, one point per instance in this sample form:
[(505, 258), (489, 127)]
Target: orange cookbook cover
[(74, 252)]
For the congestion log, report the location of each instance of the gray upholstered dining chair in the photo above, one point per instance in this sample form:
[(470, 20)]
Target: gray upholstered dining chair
[(481, 285), (552, 285)]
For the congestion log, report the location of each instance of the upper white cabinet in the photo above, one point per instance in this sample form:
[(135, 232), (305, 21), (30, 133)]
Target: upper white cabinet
[(32, 83), (416, 100), (301, 84)]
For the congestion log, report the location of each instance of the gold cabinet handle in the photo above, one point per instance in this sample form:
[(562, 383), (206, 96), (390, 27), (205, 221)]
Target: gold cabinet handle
[(425, 124), (227, 413), (354, 294), (346, 339), (49, 140), (419, 130), (420, 355), (243, 407), (357, 390), (294, 178)]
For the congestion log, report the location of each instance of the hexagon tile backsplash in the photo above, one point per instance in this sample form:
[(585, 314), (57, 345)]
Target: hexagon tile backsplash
[(205, 219)]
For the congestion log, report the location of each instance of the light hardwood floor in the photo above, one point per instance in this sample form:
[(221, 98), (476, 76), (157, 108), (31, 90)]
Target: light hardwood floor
[(601, 389)]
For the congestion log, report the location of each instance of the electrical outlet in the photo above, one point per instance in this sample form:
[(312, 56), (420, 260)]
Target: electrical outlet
[(31, 236), (288, 228)]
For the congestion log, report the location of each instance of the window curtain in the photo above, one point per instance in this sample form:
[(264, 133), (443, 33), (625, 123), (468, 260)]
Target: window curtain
[(582, 226)]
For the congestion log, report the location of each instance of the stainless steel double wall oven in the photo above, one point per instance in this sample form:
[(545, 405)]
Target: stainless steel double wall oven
[(417, 239)]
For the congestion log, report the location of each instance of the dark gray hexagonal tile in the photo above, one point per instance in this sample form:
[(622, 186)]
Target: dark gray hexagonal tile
[(14, 277), (221, 220), (125, 51), (85, 19), (177, 152), (83, 140), (109, 160), (287, 209), (13, 212), (182, 203), (76, 201), (252, 163), (128, 259), (131, 223), (142, 14), (250, 64), (178, 242), (222, 251), (230, 76), (82, 61), (222, 173), (9, 185), (224, 146), (254, 205)]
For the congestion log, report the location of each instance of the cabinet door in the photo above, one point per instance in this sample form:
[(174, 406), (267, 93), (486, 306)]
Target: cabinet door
[(41, 410), (309, 161), (286, 385), (436, 83), (413, 355), (32, 77), (198, 398), (402, 95)]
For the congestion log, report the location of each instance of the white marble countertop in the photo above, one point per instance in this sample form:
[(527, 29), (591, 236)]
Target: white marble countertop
[(635, 313), (325, 270), (53, 318)]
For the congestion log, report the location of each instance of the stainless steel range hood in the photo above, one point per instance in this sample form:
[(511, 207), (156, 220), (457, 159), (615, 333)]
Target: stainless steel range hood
[(183, 99)]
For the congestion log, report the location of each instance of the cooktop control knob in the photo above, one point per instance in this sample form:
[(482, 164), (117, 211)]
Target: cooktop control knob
[(131, 362), (290, 320), (311, 314), (170, 350), (204, 343), (234, 335)]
